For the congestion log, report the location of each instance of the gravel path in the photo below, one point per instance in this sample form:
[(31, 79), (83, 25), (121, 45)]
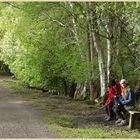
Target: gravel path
[(18, 119)]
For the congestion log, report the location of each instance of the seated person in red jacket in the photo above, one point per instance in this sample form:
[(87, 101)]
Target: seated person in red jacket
[(114, 90)]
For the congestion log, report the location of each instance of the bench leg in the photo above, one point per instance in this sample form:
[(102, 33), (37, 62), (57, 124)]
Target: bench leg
[(131, 121)]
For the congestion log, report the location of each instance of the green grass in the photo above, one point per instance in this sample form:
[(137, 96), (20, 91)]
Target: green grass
[(59, 115), (92, 133)]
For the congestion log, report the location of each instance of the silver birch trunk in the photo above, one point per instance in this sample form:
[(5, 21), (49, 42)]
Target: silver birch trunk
[(91, 73), (101, 63), (91, 62), (83, 92), (77, 91), (99, 51), (108, 28)]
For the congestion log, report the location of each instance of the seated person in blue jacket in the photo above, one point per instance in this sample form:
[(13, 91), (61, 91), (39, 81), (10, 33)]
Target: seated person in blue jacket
[(127, 102)]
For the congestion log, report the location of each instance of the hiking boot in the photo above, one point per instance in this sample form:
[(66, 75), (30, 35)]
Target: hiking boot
[(122, 123), (108, 119), (105, 117), (118, 121)]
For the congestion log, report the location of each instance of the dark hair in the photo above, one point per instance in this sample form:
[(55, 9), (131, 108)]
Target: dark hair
[(112, 82)]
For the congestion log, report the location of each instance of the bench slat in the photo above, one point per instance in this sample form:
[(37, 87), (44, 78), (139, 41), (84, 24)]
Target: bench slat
[(133, 112)]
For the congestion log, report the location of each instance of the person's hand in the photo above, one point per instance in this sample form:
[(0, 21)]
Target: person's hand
[(122, 102), (119, 104)]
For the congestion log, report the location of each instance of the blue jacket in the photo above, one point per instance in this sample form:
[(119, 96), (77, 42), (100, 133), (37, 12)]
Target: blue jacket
[(130, 100)]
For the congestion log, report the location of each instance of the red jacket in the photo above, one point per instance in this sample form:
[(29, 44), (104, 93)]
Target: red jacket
[(111, 93)]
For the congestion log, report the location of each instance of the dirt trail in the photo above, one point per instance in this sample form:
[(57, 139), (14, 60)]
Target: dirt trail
[(18, 119)]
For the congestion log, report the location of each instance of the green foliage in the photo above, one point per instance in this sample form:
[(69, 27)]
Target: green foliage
[(38, 43), (35, 52)]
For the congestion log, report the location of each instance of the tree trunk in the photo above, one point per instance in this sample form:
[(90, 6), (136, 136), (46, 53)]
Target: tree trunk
[(65, 87), (77, 90), (77, 41), (90, 51), (72, 90), (109, 34), (101, 63), (96, 41)]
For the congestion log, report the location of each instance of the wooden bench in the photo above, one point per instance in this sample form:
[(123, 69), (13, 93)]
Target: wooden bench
[(133, 115)]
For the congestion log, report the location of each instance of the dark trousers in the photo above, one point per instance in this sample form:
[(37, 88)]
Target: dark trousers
[(120, 111), (109, 110)]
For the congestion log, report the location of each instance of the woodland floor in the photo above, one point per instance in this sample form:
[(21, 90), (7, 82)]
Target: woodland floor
[(19, 114), (88, 115)]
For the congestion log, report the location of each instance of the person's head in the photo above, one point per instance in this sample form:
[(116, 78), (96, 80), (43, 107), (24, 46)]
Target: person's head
[(124, 87), (123, 83), (112, 83)]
